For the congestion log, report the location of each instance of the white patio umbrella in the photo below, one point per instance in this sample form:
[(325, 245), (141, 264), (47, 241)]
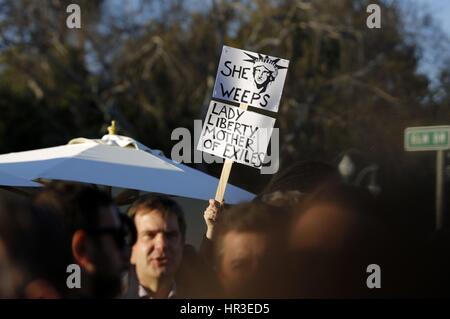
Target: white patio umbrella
[(14, 181), (117, 161)]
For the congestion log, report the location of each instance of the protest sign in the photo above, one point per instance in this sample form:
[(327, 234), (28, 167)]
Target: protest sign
[(236, 134), (250, 78)]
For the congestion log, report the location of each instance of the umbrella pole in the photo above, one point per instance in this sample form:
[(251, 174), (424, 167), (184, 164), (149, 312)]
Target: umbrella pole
[(226, 170)]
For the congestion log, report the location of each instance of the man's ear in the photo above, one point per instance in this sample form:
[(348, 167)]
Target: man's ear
[(80, 251)]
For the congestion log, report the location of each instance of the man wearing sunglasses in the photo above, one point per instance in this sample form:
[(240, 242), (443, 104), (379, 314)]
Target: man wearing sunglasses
[(96, 235)]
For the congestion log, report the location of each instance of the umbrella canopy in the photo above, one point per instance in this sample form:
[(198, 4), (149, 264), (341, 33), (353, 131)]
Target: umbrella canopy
[(14, 181), (117, 161)]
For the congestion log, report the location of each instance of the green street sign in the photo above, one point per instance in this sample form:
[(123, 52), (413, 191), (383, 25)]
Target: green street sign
[(427, 138)]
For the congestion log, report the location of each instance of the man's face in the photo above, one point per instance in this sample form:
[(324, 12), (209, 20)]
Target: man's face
[(327, 241), (243, 256), (159, 247), (261, 74), (110, 256)]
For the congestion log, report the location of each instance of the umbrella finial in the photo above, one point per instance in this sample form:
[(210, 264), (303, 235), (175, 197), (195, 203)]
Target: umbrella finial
[(112, 128)]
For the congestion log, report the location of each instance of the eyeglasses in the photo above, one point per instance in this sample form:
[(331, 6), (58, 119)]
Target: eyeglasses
[(121, 237)]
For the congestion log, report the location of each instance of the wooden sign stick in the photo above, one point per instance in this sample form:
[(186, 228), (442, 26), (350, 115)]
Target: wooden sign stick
[(226, 169)]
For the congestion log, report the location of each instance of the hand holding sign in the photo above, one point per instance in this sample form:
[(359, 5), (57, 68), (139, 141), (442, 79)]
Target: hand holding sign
[(210, 215)]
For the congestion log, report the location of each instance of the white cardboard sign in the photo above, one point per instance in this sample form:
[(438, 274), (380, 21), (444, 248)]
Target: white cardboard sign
[(236, 134), (250, 78)]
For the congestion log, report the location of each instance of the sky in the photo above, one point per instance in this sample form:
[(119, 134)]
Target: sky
[(440, 12), (440, 9)]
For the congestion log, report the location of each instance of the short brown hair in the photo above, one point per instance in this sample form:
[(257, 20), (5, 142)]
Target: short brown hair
[(162, 203), (249, 217)]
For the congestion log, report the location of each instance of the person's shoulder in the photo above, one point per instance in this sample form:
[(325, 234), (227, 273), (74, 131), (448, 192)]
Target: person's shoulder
[(132, 288)]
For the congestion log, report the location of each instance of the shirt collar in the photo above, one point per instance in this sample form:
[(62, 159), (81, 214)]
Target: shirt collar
[(143, 292)]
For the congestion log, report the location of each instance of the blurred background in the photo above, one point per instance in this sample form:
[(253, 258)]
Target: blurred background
[(150, 65)]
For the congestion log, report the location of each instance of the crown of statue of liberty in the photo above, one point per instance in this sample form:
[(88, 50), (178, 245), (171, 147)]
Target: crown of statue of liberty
[(265, 61)]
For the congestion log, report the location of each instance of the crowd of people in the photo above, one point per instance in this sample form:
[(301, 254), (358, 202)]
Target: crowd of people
[(307, 235)]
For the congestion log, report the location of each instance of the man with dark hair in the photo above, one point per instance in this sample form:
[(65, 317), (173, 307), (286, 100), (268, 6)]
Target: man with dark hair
[(33, 253), (164, 266), (95, 233), (158, 251), (248, 247)]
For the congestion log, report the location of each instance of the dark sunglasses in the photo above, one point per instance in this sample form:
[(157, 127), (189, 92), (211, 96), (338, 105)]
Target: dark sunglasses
[(122, 238)]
